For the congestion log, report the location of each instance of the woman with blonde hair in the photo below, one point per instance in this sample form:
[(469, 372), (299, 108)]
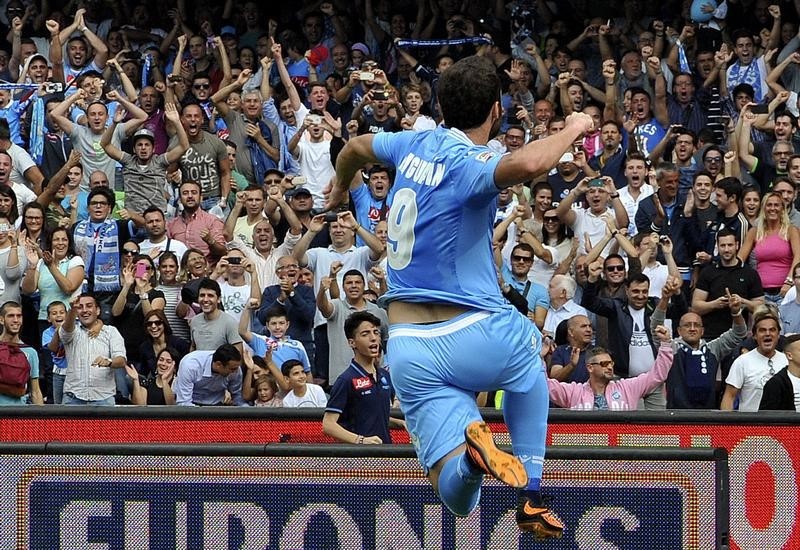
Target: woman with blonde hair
[(775, 243)]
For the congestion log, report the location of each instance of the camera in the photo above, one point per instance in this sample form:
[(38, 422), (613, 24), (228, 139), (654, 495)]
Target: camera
[(663, 239), (380, 95), (175, 78), (234, 260), (53, 87), (366, 76), (331, 217), (314, 119), (297, 181)]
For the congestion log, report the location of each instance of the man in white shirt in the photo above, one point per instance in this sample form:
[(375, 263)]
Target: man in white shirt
[(637, 189), (590, 223), (753, 369), (157, 241)]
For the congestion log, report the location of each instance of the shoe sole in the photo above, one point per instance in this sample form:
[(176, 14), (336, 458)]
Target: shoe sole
[(540, 532), (500, 465)]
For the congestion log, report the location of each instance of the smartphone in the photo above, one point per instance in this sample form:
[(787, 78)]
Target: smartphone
[(141, 271), (383, 96), (234, 260), (663, 239), (366, 76), (331, 217), (297, 181), (761, 109), (314, 119), (4, 227)]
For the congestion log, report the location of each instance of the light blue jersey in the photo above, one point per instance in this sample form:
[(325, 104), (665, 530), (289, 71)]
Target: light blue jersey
[(440, 223), (369, 211)]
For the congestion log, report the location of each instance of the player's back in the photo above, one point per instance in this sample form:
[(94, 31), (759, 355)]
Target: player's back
[(440, 223)]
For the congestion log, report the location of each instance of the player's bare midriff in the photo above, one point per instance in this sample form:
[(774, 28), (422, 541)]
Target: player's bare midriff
[(408, 312)]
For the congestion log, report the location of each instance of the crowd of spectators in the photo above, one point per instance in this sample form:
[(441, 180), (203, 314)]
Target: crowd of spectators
[(163, 171)]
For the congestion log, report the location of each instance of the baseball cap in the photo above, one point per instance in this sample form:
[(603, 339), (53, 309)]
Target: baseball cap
[(300, 191), (360, 46), (228, 30), (567, 157), (144, 133)]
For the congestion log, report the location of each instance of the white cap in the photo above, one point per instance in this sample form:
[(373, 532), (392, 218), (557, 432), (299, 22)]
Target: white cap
[(567, 157)]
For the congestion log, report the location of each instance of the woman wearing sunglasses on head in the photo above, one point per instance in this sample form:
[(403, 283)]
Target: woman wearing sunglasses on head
[(158, 336)]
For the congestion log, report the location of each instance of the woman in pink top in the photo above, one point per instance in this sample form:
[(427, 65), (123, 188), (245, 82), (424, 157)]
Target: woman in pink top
[(775, 243), (601, 391)]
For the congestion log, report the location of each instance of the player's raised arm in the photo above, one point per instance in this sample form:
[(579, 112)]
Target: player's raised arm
[(355, 154), (538, 157)]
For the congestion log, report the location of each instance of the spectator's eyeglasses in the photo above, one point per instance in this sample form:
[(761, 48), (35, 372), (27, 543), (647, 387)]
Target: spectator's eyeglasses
[(98, 203), (604, 364), (129, 252), (154, 323), (516, 258), (771, 367), (550, 219), (615, 268), (713, 160), (201, 86)]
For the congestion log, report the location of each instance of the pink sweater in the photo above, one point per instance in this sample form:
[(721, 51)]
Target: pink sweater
[(622, 395)]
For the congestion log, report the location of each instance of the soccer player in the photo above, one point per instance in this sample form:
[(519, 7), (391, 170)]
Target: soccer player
[(445, 306)]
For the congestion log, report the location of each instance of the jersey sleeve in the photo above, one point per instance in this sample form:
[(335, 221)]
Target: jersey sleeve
[(338, 396), (387, 144)]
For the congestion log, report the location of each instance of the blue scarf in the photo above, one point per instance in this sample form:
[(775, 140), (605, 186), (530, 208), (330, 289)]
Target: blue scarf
[(438, 43), (259, 158), (148, 62), (98, 244), (749, 74)]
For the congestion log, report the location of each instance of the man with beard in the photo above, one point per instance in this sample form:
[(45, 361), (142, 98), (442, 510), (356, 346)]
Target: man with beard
[(206, 160), (787, 189), (719, 281), (11, 320), (751, 370), (337, 311), (257, 139), (372, 201), (77, 61), (611, 160), (196, 228), (86, 139), (157, 241), (213, 327)]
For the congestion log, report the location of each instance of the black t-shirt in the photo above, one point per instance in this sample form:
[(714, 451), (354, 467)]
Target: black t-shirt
[(714, 279), (131, 323)]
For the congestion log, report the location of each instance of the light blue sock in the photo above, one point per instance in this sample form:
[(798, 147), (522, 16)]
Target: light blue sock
[(526, 417), (460, 485)]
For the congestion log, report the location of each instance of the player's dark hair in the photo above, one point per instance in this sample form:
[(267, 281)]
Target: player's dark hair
[(468, 91)]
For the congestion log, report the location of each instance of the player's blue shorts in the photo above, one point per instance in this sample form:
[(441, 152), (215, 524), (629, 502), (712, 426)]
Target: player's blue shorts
[(437, 369)]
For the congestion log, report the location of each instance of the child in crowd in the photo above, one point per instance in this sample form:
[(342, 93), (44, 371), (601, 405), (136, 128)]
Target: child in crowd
[(302, 394), (56, 313), (267, 392), (282, 347)]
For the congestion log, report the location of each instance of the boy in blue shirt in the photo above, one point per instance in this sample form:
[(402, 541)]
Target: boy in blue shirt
[(283, 347), (444, 303), (56, 312)]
